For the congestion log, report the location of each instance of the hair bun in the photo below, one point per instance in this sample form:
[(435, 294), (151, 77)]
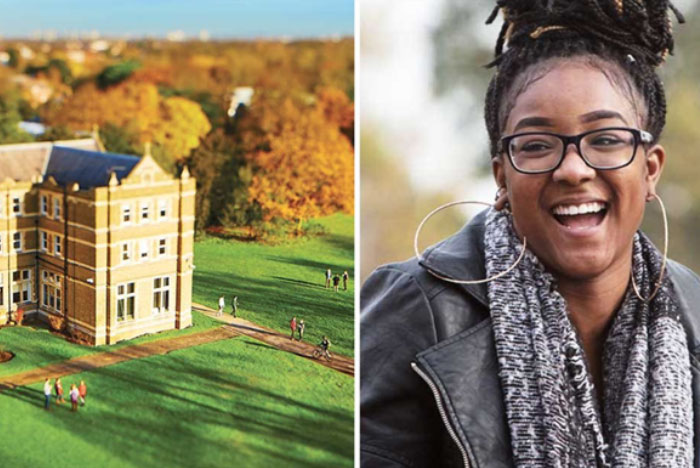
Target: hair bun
[(641, 28)]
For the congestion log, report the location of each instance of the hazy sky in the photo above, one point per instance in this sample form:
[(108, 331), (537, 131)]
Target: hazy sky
[(221, 18)]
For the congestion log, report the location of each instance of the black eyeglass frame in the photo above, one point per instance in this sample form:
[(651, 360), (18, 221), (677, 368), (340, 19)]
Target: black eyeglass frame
[(640, 137)]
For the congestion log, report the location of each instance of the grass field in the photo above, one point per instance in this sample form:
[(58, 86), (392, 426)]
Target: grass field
[(236, 402), (274, 283)]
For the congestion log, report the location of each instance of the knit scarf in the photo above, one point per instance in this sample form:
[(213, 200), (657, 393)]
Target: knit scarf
[(553, 414)]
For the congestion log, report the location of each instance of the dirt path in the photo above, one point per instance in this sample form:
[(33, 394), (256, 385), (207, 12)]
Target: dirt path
[(343, 364), (93, 361)]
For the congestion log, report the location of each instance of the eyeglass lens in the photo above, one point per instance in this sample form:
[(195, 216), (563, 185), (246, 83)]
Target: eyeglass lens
[(605, 149)]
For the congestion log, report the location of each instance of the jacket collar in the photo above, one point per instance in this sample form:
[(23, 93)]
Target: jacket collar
[(461, 257)]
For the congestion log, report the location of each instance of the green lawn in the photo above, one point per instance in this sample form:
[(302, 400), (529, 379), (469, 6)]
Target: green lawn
[(235, 402), (274, 283), (34, 346)]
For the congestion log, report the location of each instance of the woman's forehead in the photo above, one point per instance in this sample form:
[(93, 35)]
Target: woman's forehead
[(569, 91)]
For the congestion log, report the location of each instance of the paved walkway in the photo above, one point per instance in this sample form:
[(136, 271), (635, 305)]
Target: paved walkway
[(234, 327), (93, 361), (343, 364)]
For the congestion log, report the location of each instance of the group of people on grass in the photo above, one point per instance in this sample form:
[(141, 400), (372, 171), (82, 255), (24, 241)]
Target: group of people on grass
[(77, 393), (335, 279), (298, 327), (222, 306)]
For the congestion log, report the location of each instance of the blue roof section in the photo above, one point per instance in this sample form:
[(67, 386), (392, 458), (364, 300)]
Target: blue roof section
[(87, 168)]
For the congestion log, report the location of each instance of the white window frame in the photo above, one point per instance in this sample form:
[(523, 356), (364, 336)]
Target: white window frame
[(17, 241), (144, 213), (124, 299), (56, 208), (51, 291), (57, 245), (162, 246), (22, 286), (44, 241), (45, 204), (17, 206), (127, 217), (144, 248), (126, 252), (161, 294), (163, 209)]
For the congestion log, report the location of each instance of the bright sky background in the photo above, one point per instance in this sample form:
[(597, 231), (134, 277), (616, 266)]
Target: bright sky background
[(221, 18)]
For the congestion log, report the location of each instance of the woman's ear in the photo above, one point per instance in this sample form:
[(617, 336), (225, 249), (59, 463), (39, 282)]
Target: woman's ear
[(501, 200), (655, 159)]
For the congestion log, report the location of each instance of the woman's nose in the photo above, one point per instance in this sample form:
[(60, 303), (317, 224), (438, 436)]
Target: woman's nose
[(573, 169)]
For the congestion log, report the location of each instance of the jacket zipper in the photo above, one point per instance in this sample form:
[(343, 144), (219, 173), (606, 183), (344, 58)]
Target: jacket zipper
[(443, 413)]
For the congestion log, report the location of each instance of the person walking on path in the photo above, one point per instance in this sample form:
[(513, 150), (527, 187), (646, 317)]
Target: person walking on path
[(222, 304), (345, 280), (47, 393), (82, 392), (326, 345), (328, 278), (234, 305), (293, 326), (74, 397), (300, 329), (58, 387), (336, 282)]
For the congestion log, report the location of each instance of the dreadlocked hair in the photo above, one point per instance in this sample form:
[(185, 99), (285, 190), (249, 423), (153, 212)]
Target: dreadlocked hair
[(626, 39)]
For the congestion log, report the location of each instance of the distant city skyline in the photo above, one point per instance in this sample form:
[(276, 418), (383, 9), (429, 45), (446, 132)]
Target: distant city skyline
[(214, 19)]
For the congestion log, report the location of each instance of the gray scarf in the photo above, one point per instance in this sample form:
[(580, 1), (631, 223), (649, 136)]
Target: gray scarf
[(552, 412)]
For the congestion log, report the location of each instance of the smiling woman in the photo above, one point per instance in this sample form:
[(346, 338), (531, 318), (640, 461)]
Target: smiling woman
[(549, 331)]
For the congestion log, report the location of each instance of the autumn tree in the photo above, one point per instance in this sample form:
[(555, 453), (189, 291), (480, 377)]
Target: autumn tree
[(307, 170)]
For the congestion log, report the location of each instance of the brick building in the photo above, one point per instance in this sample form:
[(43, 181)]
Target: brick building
[(103, 240)]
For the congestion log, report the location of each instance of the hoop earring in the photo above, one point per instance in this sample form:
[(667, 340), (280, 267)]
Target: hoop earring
[(453, 280), (663, 263)]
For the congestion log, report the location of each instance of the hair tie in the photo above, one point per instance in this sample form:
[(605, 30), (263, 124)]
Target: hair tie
[(543, 29)]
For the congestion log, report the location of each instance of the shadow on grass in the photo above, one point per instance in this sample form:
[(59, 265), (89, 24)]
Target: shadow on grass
[(188, 411)]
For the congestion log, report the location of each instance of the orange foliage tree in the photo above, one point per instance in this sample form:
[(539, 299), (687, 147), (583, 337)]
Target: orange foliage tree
[(307, 168), (176, 124)]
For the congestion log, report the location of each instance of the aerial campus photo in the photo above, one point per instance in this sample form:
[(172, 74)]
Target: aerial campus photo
[(177, 272)]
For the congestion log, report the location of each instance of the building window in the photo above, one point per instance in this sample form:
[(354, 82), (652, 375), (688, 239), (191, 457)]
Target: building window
[(126, 251), (161, 294), (126, 301), (143, 249), (21, 286), (16, 206), (44, 204), (126, 213), (57, 245), (144, 212), (17, 241), (162, 208), (2, 290), (51, 291), (161, 246), (44, 241), (57, 208), (0, 243)]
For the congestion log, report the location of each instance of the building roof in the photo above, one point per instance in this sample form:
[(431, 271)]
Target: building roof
[(87, 168), (67, 162)]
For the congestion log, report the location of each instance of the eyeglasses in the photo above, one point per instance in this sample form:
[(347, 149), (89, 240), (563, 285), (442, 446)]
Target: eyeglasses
[(604, 148)]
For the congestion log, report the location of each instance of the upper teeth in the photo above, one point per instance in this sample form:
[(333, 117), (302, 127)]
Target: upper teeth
[(583, 208)]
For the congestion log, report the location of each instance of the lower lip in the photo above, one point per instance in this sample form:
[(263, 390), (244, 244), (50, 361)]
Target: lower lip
[(582, 231)]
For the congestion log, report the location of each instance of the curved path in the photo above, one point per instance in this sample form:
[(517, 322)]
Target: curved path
[(341, 363), (233, 327)]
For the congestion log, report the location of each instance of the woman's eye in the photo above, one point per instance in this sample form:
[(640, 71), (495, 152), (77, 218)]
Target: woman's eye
[(607, 141), (535, 147)]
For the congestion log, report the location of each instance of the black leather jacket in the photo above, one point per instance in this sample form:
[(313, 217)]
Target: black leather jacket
[(430, 394)]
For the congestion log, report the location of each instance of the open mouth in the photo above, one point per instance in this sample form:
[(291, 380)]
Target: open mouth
[(580, 216)]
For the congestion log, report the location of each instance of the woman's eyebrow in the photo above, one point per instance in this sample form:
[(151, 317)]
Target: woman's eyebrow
[(601, 115), (533, 122)]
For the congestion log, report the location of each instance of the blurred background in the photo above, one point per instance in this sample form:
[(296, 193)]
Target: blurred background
[(424, 142)]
